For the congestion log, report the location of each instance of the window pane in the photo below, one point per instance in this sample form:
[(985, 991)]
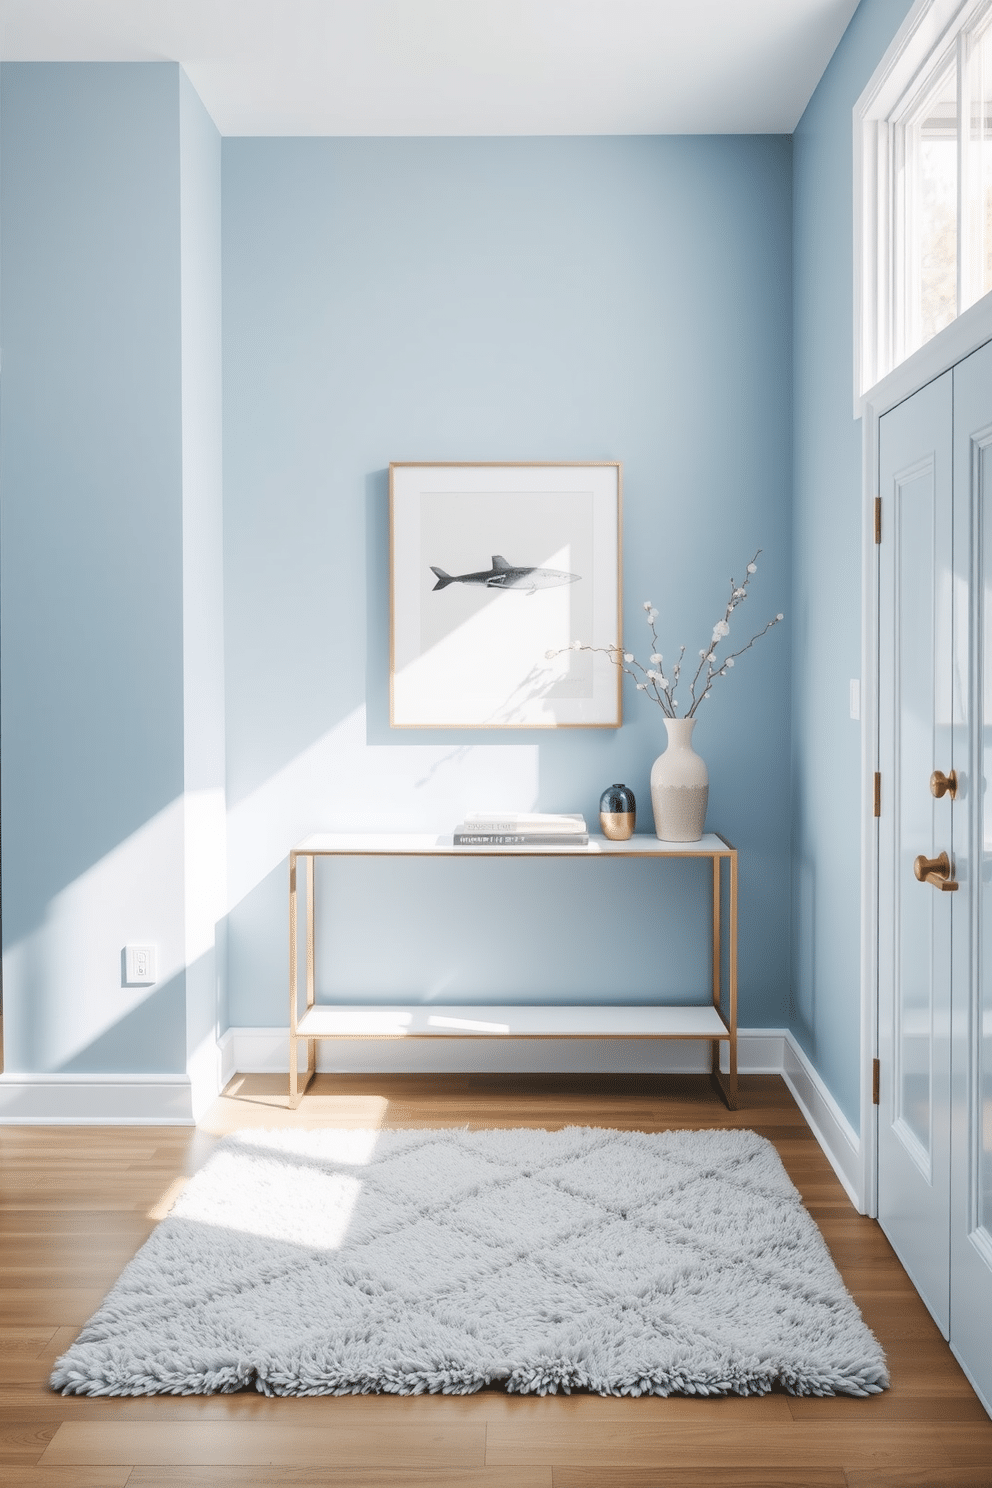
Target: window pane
[(981, 133), (935, 198)]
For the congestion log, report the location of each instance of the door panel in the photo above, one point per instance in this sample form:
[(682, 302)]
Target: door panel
[(971, 1143), (915, 737)]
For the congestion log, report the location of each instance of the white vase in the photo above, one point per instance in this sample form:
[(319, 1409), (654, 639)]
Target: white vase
[(680, 786)]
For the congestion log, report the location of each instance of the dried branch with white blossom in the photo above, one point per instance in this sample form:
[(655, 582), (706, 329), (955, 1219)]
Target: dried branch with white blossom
[(652, 679)]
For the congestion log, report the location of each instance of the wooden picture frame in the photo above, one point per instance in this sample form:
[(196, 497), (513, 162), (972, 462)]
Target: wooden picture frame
[(492, 567)]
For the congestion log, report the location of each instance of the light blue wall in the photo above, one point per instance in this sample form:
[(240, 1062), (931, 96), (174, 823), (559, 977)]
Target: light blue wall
[(454, 299), (92, 663), (112, 578), (826, 634), (90, 276), (486, 299)]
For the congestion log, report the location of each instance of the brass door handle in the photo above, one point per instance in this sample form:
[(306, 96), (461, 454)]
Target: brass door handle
[(936, 871), (944, 785)]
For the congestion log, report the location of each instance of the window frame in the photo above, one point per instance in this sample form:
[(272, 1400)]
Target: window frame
[(936, 38)]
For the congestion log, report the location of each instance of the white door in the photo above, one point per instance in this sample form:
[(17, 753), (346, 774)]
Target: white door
[(914, 918), (935, 830), (971, 1048)]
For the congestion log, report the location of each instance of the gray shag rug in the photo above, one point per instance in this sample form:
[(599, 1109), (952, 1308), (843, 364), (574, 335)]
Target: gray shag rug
[(340, 1262)]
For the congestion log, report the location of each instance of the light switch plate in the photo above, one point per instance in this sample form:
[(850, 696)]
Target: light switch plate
[(140, 965)]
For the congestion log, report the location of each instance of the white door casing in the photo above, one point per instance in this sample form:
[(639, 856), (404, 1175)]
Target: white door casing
[(971, 998)]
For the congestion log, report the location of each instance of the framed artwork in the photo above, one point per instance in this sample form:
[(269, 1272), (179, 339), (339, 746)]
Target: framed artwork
[(493, 567)]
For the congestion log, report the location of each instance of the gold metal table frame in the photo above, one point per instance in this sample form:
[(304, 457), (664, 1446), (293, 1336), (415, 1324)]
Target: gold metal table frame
[(666, 1021)]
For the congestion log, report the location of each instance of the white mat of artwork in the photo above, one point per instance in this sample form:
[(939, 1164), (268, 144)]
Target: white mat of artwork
[(627, 1263)]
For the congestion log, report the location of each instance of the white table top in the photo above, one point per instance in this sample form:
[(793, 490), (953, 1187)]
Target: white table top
[(424, 844)]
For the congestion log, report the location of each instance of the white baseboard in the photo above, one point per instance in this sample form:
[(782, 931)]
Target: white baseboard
[(826, 1120), (95, 1100), (759, 1051), (255, 1051), (966, 1367)]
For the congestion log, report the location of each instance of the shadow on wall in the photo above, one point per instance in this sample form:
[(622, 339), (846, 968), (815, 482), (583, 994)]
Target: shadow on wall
[(258, 953), (802, 996)]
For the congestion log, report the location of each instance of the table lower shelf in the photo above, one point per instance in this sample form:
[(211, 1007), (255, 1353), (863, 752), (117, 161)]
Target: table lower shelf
[(334, 1021), (420, 1021)]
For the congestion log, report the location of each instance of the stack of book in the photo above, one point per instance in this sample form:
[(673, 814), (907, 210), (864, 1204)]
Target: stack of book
[(522, 829)]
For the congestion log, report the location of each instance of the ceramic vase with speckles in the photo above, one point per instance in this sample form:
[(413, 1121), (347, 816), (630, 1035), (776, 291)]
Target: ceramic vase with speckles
[(679, 786)]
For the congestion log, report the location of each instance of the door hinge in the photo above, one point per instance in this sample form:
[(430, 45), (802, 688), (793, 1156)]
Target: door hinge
[(878, 519), (877, 795), (875, 1077)]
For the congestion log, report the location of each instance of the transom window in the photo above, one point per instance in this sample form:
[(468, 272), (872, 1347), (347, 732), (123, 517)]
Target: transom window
[(923, 188)]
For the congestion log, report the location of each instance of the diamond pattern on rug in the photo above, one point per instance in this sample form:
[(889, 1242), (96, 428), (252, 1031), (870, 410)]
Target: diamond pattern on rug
[(529, 1213), (627, 1263)]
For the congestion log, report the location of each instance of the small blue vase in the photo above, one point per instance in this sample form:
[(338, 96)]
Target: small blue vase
[(617, 813)]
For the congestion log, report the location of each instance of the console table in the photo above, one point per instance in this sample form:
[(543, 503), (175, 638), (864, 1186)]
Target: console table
[(334, 1021)]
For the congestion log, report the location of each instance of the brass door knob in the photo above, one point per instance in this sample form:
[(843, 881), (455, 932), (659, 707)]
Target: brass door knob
[(944, 785), (935, 871)]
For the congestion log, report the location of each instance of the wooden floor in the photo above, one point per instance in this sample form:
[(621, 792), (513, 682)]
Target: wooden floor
[(76, 1202)]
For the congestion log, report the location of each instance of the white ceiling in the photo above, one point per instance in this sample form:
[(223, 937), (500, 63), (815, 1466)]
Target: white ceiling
[(460, 67)]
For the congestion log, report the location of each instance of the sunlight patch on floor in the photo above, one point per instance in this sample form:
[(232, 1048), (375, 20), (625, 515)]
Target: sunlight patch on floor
[(160, 1209), (259, 1101), (274, 1195)]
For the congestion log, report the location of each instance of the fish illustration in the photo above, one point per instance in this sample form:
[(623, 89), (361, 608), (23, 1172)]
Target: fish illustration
[(503, 575)]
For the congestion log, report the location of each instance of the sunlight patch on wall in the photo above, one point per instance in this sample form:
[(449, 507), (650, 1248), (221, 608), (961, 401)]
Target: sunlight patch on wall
[(62, 982), (341, 783), (494, 663), (205, 813)]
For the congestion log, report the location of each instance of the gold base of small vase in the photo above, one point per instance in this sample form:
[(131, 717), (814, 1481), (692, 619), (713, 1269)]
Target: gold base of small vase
[(617, 825)]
